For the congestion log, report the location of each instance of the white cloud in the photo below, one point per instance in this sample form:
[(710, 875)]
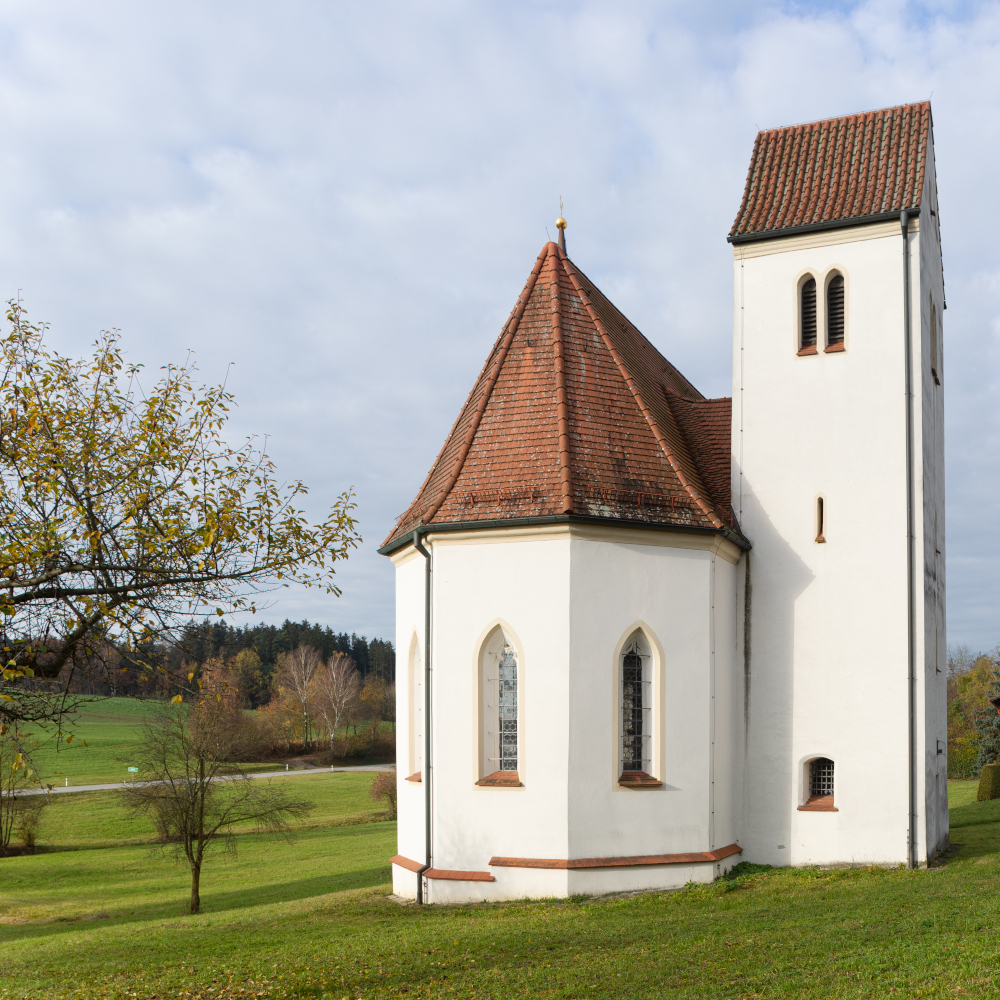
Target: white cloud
[(344, 201)]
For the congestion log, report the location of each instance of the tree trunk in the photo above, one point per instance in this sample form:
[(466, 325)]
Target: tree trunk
[(195, 881)]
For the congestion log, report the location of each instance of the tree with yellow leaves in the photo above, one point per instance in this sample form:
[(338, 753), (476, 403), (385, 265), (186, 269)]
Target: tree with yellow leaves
[(124, 511)]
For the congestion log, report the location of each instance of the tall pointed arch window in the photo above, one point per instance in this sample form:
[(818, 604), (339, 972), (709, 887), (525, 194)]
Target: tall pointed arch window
[(499, 711), (807, 316), (416, 713), (935, 366), (835, 313), (635, 681)]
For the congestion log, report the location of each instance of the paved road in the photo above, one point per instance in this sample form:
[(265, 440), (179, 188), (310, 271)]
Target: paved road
[(225, 777)]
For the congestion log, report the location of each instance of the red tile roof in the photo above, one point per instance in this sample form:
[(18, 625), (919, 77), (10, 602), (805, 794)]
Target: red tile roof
[(837, 170), (575, 412)]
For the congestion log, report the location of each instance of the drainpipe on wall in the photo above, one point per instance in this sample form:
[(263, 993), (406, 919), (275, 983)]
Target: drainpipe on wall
[(425, 777), (904, 221)]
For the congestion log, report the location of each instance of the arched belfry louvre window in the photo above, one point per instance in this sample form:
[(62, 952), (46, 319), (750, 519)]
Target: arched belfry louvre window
[(835, 311), (807, 316), (499, 709), (636, 706), (934, 345)]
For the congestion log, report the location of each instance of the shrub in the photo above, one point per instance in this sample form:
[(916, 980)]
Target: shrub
[(27, 814), (989, 783), (384, 789)]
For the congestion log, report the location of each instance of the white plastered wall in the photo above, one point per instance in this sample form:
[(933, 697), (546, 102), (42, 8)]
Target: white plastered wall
[(828, 638), (568, 598)]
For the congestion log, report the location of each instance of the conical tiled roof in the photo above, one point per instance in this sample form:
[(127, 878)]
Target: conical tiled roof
[(576, 413)]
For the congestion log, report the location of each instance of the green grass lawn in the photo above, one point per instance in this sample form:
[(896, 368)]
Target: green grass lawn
[(314, 919), (103, 732)]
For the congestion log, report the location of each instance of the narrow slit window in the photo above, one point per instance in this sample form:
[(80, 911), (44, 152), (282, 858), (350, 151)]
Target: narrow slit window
[(820, 518), (835, 311), (934, 344), (808, 315)]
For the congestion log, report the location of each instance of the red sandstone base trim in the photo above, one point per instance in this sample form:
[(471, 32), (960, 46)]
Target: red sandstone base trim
[(624, 862), (441, 873)]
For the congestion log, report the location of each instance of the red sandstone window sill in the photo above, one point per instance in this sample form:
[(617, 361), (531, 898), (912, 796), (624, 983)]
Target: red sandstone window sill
[(806, 351), (415, 776), (501, 779), (835, 349), (819, 803), (638, 779)]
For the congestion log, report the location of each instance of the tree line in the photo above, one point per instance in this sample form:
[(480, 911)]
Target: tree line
[(104, 671)]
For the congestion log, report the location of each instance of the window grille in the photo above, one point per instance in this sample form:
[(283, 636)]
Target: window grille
[(808, 313), (835, 310), (636, 702), (821, 776)]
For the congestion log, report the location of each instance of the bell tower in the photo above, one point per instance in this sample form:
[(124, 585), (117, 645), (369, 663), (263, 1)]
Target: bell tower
[(838, 483)]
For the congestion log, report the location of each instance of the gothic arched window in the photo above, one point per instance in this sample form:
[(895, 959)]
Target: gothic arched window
[(835, 311), (807, 317), (637, 705), (499, 687)]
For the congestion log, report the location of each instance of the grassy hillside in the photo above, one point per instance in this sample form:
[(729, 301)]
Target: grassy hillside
[(314, 919), (108, 727), (104, 731)]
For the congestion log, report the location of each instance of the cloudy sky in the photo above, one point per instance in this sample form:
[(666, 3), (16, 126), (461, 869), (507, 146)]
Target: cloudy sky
[(343, 201)]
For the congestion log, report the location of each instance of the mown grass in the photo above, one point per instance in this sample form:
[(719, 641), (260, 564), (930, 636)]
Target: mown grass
[(315, 919)]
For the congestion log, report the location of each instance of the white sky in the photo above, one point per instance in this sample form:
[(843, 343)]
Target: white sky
[(345, 199)]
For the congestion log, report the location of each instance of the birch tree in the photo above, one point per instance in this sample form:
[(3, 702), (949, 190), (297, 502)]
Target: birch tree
[(337, 687)]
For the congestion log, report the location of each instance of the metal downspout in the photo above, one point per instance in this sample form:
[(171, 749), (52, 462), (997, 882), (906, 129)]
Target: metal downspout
[(425, 777), (904, 221)]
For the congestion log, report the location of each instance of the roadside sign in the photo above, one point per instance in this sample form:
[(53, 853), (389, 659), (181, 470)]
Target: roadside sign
[(134, 769)]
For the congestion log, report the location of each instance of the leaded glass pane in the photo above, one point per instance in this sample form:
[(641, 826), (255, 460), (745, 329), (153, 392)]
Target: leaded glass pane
[(632, 726), (507, 690)]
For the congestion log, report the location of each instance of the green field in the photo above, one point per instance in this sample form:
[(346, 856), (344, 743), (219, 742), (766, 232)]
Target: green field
[(103, 731), (314, 918)]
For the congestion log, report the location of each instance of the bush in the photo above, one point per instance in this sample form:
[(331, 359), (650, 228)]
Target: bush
[(384, 789), (962, 757), (989, 783), (27, 814)]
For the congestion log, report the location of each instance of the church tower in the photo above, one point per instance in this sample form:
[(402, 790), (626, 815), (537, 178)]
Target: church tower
[(838, 483)]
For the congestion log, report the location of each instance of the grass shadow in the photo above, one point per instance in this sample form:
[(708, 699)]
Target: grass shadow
[(211, 902)]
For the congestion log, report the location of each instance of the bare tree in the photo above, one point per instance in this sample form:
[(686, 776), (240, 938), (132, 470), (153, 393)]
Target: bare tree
[(295, 674), (337, 686), (192, 790)]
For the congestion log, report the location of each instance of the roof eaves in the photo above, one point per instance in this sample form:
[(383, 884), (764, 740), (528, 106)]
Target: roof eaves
[(812, 227), (520, 522)]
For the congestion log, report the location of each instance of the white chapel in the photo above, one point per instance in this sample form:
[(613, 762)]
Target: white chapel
[(644, 635)]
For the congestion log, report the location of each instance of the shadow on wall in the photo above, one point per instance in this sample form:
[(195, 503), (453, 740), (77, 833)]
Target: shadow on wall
[(777, 579)]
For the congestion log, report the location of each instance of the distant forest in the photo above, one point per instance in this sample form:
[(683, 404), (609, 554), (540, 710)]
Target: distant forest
[(204, 640), (109, 674)]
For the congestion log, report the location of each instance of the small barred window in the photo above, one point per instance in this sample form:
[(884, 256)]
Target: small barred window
[(807, 315), (821, 777), (835, 311)]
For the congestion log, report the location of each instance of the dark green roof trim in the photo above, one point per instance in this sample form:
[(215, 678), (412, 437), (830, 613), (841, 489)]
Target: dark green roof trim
[(858, 220), (518, 522)]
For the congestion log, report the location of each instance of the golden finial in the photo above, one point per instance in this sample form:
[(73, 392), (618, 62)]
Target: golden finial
[(561, 226)]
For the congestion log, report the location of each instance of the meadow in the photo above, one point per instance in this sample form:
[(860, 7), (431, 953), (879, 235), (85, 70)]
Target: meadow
[(99, 912)]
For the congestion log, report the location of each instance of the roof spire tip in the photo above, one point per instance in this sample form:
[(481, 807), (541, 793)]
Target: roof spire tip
[(561, 226)]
